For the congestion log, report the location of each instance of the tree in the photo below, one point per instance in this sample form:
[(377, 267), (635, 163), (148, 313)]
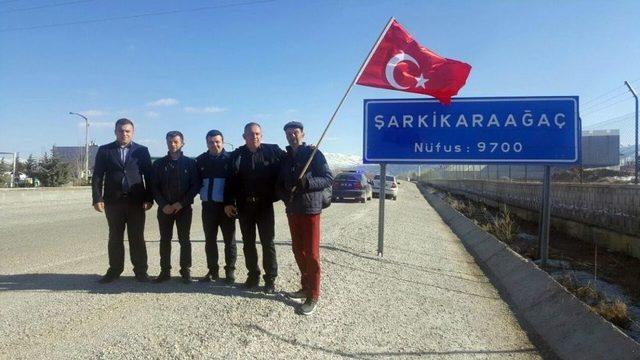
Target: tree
[(31, 166), (20, 166), (5, 178), (53, 172)]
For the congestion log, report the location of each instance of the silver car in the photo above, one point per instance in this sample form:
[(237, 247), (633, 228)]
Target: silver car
[(391, 187)]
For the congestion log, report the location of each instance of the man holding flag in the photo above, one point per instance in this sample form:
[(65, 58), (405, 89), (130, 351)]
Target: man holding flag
[(397, 62), (303, 200)]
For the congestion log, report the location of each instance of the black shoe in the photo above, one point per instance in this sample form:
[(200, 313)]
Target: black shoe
[(211, 276), (186, 276), (230, 277), (252, 281), (269, 287), (142, 277), (308, 308), (108, 277), (163, 276)]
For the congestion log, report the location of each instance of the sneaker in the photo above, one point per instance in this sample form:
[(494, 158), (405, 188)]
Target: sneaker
[(308, 307), (186, 276), (142, 277), (296, 295), (163, 276), (211, 276), (252, 281), (108, 277), (269, 287), (230, 277)]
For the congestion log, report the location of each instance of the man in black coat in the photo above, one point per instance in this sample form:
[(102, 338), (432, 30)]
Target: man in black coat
[(120, 168), (251, 186), (303, 200), (213, 168), (175, 184)]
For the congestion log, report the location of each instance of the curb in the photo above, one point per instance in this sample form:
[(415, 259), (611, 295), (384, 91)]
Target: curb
[(555, 317)]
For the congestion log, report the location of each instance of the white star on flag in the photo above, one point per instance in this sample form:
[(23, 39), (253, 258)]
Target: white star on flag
[(421, 81)]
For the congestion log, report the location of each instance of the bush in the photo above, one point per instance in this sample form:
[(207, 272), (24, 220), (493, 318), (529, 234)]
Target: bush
[(502, 226), (613, 311)]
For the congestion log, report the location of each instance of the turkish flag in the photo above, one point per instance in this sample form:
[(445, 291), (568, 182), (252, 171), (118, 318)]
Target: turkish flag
[(398, 62)]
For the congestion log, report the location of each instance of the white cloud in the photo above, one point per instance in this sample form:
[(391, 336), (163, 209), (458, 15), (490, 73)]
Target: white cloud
[(291, 111), (163, 102), (97, 124), (204, 110), (151, 114), (93, 113)]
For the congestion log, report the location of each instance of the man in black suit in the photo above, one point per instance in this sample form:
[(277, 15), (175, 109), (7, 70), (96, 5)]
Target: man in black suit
[(121, 166)]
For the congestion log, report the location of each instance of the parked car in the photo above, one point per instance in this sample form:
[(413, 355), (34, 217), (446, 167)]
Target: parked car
[(351, 185), (391, 187)]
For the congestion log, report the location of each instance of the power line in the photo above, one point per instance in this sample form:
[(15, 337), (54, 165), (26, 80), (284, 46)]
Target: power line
[(592, 100), (612, 120), (127, 17), (621, 91), (46, 6), (601, 95), (607, 106)]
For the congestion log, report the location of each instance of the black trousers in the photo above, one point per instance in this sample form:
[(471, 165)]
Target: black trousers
[(123, 214), (260, 215), (213, 216), (182, 219)]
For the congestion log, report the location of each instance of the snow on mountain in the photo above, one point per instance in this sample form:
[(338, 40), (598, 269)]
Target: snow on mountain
[(339, 162)]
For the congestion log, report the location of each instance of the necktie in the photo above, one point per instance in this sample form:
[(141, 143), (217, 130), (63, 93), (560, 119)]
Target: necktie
[(125, 181)]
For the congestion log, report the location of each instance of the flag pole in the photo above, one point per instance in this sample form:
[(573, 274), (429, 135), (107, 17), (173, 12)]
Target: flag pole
[(366, 61)]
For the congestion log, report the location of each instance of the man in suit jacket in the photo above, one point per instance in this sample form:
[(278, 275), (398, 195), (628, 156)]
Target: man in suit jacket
[(120, 167)]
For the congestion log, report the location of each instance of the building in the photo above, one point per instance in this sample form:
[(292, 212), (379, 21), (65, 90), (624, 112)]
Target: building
[(74, 156)]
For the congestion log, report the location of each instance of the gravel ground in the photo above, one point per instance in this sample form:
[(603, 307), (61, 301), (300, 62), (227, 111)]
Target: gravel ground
[(425, 298)]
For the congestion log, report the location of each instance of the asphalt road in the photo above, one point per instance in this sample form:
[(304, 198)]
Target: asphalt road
[(425, 298)]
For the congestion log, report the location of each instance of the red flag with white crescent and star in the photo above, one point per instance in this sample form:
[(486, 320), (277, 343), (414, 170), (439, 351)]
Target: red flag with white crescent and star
[(398, 62)]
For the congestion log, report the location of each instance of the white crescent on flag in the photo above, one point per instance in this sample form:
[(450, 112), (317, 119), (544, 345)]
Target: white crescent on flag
[(391, 65)]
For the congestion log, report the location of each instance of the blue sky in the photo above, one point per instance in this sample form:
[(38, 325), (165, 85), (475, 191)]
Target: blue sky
[(221, 66)]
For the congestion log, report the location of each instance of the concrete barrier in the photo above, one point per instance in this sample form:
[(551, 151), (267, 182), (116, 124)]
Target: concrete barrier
[(43, 195), (553, 316)]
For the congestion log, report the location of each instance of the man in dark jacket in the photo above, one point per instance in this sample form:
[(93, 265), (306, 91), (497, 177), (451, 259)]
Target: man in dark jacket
[(303, 200), (120, 168), (175, 183), (213, 166), (251, 186)]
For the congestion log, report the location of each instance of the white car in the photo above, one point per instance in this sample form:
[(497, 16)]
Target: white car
[(391, 187)]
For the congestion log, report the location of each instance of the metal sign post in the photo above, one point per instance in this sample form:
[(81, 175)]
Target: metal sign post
[(382, 196), (545, 217)]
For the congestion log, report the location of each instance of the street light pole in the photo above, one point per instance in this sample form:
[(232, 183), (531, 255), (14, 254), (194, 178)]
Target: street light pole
[(635, 154), (86, 145)]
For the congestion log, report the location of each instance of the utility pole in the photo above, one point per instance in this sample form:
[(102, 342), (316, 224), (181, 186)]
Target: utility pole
[(86, 145), (635, 154)]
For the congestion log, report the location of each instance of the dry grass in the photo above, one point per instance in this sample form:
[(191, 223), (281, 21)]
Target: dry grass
[(502, 226), (614, 311)]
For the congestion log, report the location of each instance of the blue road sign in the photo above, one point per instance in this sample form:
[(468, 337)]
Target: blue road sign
[(505, 130)]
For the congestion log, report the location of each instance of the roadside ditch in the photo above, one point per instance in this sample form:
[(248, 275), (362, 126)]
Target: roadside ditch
[(607, 282)]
